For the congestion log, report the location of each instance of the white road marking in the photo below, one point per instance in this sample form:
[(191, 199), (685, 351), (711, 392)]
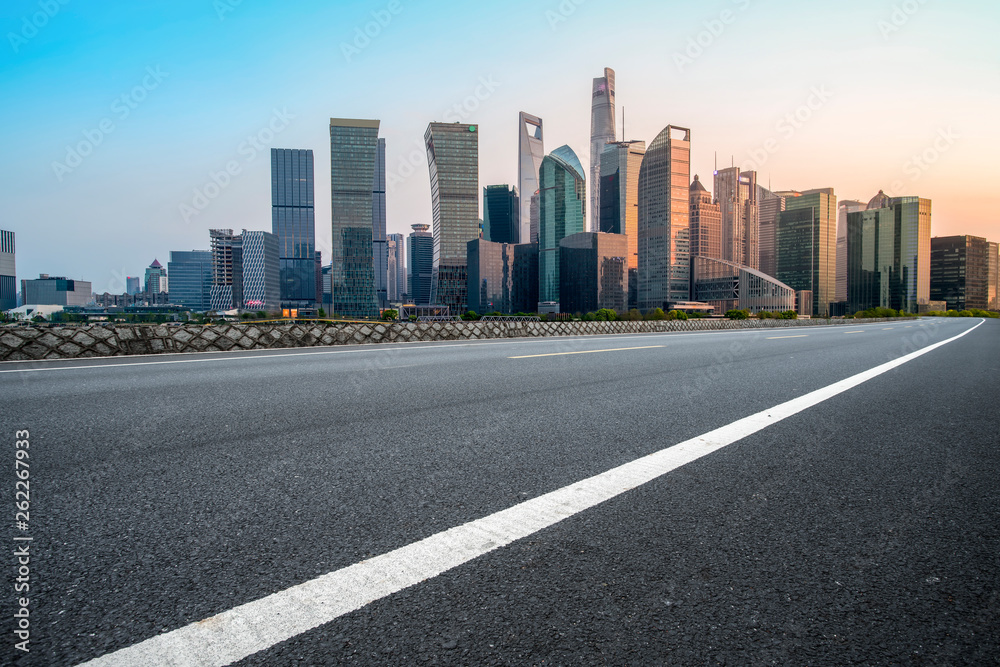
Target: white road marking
[(781, 337), (259, 625), (853, 332), (563, 354)]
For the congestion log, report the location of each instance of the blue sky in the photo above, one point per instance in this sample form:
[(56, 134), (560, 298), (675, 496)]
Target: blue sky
[(905, 96)]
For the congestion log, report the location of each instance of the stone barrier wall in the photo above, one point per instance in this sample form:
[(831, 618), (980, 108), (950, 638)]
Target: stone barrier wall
[(102, 340)]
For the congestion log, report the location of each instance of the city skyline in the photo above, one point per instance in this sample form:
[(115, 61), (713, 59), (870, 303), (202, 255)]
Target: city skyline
[(821, 120)]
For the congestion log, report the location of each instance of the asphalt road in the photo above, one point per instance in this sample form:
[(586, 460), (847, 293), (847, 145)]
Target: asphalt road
[(862, 530)]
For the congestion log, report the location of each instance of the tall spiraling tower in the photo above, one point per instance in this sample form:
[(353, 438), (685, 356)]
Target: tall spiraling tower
[(602, 132), (530, 153)]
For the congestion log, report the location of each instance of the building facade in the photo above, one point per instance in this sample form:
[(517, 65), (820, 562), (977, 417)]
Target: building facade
[(354, 162), (806, 245), (889, 254), (562, 211), (133, 284), (227, 259), (293, 221), (705, 223), (594, 272), (261, 272), (420, 265), (730, 286), (156, 278), (530, 153), (602, 132), (619, 193), (503, 277), (664, 210), (453, 162), (769, 205), (501, 208), (844, 208), (56, 291), (8, 271), (380, 252), (993, 284), (191, 279), (960, 271), (736, 194)]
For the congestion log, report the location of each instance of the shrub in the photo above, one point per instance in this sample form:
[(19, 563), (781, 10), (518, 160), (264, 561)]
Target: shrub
[(656, 314), (737, 314), (605, 315), (789, 315)]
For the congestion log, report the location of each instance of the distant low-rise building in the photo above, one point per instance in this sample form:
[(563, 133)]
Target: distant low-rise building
[(731, 286), (56, 291)]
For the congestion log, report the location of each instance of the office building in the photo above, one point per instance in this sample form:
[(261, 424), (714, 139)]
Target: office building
[(8, 271), (769, 207), (960, 272), (993, 284), (501, 208), (227, 259), (530, 153), (705, 222), (380, 255), (561, 212), (736, 194), (503, 277), (806, 245), (156, 279), (730, 286), (261, 272), (664, 210), (133, 285), (594, 272), (889, 254), (293, 221), (420, 265), (602, 132), (354, 163), (397, 268), (844, 208), (453, 162), (56, 291), (191, 279), (621, 162)]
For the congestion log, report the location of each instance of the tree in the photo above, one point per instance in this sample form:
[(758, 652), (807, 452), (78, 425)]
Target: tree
[(470, 316), (390, 315), (605, 315), (656, 314), (737, 314), (321, 313), (789, 315)]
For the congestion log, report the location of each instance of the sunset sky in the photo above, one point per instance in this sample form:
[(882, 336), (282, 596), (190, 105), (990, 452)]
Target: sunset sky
[(858, 95)]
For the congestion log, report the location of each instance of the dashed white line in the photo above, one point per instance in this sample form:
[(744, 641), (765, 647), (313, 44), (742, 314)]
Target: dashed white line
[(259, 625)]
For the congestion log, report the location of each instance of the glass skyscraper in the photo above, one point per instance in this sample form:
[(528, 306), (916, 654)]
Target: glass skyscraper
[(619, 193), (500, 214), (380, 252), (844, 207), (293, 221), (453, 162), (503, 277), (156, 278), (260, 271), (602, 132), (736, 194), (8, 273), (191, 279), (593, 272), (770, 205), (664, 211), (530, 153), (960, 271), (354, 158), (806, 245), (705, 223), (562, 211)]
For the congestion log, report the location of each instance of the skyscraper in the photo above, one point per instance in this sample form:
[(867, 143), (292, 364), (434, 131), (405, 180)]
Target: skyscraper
[(706, 223), (888, 254), (845, 207), (191, 279), (453, 162), (380, 257), (261, 272), (562, 211), (396, 244), (8, 272), (593, 273), (806, 245), (530, 153), (227, 261), (619, 193), (503, 277), (736, 194), (770, 205), (420, 265), (602, 132), (156, 278), (293, 221), (664, 210), (500, 214), (354, 160), (132, 284), (993, 261), (960, 271)]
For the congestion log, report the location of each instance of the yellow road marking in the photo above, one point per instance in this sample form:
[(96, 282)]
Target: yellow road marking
[(561, 354)]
